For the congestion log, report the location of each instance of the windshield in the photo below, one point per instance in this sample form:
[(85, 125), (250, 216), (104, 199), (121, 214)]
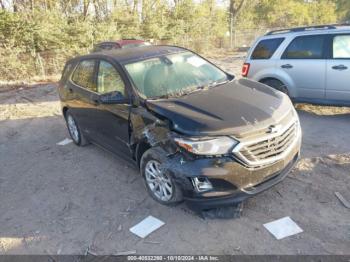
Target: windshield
[(174, 75)]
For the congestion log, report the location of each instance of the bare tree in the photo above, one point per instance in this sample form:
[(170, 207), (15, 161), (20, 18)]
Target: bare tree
[(2, 5), (86, 4), (235, 7), (97, 9)]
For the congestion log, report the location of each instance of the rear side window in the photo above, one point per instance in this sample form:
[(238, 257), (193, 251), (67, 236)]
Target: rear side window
[(341, 47), (266, 48), (84, 75), (306, 47)]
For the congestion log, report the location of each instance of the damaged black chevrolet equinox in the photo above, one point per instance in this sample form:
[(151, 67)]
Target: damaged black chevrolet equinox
[(196, 133)]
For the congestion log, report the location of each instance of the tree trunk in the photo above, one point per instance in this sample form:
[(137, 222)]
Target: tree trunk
[(86, 7), (235, 7), (97, 10), (15, 6), (135, 7)]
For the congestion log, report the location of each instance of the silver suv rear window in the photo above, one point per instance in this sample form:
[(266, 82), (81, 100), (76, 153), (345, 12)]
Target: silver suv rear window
[(266, 48)]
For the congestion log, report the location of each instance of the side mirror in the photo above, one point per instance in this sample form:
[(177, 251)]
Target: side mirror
[(114, 98)]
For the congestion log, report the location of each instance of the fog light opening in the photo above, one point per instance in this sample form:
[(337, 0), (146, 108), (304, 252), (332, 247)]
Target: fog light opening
[(201, 184)]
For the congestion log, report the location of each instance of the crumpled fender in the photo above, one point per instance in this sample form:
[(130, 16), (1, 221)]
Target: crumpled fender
[(147, 128)]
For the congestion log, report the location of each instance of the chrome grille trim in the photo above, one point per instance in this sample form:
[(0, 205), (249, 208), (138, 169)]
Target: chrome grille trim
[(268, 148)]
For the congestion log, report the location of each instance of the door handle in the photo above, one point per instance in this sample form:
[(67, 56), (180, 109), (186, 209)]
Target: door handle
[(70, 90), (339, 67), (287, 66)]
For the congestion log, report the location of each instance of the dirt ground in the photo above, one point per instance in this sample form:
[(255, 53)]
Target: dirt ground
[(66, 199)]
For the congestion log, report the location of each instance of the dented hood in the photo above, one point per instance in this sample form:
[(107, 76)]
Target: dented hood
[(233, 108)]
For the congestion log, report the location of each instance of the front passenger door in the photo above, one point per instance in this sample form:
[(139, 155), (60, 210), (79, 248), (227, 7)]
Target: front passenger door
[(338, 69), (112, 123)]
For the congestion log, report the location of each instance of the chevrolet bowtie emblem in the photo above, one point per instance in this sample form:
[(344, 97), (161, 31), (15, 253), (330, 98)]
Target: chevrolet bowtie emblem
[(274, 129)]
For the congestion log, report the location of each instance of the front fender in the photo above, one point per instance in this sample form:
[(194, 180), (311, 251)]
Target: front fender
[(147, 128)]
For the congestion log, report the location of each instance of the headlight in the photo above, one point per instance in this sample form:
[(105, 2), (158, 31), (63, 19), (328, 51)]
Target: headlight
[(213, 146)]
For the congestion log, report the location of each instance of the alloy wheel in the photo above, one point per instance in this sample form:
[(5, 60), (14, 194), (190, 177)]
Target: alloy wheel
[(73, 129), (158, 181)]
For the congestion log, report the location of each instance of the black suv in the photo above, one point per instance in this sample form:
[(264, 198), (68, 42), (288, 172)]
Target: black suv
[(194, 131)]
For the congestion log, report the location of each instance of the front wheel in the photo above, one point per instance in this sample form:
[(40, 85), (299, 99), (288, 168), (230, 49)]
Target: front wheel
[(159, 183)]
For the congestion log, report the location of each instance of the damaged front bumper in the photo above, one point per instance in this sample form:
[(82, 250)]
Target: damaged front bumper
[(231, 181)]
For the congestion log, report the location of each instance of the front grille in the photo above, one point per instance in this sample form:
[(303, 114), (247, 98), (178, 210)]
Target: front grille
[(270, 148)]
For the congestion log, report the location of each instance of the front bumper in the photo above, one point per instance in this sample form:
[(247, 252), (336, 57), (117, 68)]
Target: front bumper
[(232, 182)]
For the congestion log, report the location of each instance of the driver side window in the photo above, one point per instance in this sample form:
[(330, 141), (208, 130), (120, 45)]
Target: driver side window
[(109, 80)]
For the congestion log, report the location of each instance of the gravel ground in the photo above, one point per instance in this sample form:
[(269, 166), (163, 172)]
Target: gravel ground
[(67, 199)]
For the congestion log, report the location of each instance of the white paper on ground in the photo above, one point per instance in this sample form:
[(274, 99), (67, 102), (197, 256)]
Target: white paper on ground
[(283, 227), (146, 226), (65, 142)]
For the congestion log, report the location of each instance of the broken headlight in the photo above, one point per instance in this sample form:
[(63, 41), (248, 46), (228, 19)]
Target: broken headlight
[(213, 146)]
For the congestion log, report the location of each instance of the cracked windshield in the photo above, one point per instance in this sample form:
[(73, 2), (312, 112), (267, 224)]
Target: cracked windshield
[(174, 75)]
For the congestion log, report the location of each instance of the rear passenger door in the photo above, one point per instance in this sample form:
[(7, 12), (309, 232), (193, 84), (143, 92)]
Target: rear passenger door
[(84, 97), (304, 61), (338, 68)]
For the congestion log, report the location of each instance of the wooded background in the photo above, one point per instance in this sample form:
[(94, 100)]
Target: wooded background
[(37, 36)]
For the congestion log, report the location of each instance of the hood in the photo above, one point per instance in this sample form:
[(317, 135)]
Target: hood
[(233, 108)]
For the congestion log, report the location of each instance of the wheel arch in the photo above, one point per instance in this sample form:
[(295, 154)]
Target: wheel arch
[(281, 76), (64, 111), (141, 148)]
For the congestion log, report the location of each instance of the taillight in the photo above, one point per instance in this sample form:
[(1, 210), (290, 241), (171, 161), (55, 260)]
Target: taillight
[(245, 69)]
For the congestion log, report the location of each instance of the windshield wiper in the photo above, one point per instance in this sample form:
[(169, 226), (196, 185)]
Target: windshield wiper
[(221, 83)]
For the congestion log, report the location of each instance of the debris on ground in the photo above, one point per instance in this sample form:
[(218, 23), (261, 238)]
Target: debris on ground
[(152, 242), (283, 227), (345, 202), (125, 253), (64, 142), (228, 212), (88, 251), (146, 226)]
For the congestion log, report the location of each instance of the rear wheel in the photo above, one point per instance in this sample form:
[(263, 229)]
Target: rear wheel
[(74, 130), (159, 183), (276, 84)]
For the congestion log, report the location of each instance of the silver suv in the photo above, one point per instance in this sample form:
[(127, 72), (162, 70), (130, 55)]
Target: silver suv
[(310, 64)]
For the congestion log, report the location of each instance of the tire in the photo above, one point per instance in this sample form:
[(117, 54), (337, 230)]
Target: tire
[(161, 180), (74, 130), (276, 84)]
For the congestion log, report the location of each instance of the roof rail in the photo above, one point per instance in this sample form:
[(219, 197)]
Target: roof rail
[(306, 28)]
